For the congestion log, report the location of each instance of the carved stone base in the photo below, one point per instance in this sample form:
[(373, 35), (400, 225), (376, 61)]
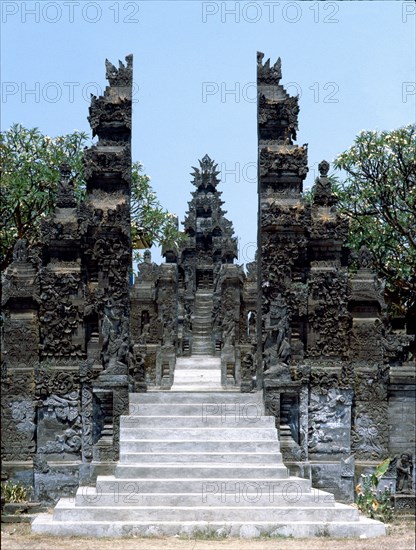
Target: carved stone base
[(405, 503)]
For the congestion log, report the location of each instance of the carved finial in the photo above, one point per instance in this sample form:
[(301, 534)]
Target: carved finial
[(20, 251), (323, 168), (323, 195), (260, 56), (65, 197), (365, 259), (206, 174), (267, 74), (121, 76)]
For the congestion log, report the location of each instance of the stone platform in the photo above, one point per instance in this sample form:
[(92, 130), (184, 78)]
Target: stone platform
[(202, 462)]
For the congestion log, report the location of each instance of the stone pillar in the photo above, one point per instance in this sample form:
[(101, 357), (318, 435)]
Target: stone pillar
[(106, 244), (20, 346), (62, 426), (144, 325), (248, 329), (230, 324), (282, 219), (167, 311), (370, 411)]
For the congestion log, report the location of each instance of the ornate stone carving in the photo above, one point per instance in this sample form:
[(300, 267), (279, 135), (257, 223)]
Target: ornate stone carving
[(65, 197), (59, 316), (287, 159), (18, 428), (322, 191), (329, 421), (266, 73), (370, 430), (404, 473), (328, 315)]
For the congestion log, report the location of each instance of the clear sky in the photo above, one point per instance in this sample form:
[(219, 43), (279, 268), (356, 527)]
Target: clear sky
[(352, 64)]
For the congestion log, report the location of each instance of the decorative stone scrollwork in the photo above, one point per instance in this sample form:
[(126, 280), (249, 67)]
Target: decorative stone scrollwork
[(288, 159)]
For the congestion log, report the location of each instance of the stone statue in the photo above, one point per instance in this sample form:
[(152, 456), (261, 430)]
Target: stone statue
[(20, 251), (404, 473), (251, 322), (364, 258)]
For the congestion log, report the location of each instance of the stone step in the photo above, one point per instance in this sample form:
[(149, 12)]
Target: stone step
[(194, 367), (219, 397), (362, 528), (196, 373), (220, 458), (204, 434), (270, 486), (202, 461), (201, 345), (203, 410), (203, 348), (165, 446), (227, 420), (246, 495), (201, 470), (65, 511), (195, 387), (206, 362)]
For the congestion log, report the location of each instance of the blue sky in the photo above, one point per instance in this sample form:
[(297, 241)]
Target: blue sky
[(352, 63)]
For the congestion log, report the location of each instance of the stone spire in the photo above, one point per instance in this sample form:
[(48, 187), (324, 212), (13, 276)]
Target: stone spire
[(210, 234)]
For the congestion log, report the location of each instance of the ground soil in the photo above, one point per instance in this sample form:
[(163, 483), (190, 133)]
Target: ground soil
[(18, 536)]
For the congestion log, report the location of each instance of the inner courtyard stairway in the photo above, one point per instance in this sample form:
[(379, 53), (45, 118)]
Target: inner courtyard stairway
[(202, 323), (200, 460)]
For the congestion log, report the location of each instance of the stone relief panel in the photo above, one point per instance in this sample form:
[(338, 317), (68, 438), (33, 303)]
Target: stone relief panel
[(370, 430), (18, 428), (60, 426), (328, 314), (21, 340), (60, 314), (329, 421)]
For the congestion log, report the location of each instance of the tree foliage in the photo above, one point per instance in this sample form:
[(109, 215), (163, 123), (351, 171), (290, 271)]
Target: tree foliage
[(29, 173), (379, 196), (29, 170), (151, 223)]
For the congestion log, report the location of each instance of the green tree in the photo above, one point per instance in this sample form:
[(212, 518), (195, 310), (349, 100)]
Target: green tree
[(378, 195), (29, 173), (151, 223), (29, 163)]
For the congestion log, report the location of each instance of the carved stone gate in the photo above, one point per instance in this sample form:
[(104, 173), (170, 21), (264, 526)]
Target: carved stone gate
[(306, 322)]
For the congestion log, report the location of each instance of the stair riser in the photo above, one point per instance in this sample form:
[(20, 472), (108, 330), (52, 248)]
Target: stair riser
[(230, 434), (244, 458), (191, 529), (251, 411), (185, 398), (220, 486), (204, 421), (209, 472), (241, 498), (199, 378), (130, 513), (198, 446)]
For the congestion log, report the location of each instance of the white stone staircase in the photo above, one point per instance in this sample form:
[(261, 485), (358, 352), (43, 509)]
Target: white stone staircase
[(195, 462), (202, 323), (197, 373)]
